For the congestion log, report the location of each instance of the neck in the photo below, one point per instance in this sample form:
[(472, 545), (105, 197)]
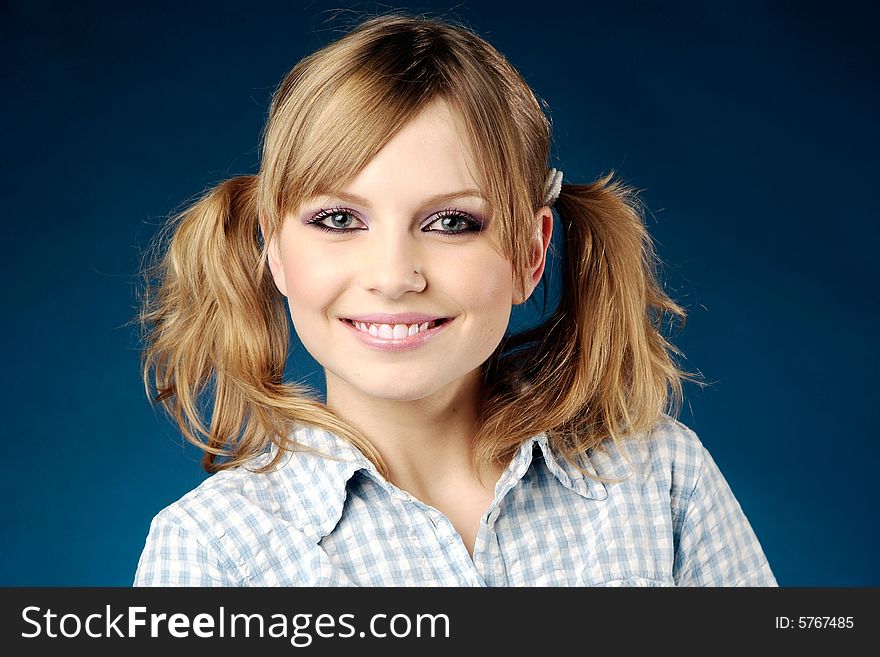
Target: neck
[(426, 443)]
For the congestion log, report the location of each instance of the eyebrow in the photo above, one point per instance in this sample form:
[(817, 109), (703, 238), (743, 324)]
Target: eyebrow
[(437, 198)]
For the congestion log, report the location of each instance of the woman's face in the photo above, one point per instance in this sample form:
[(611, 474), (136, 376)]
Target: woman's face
[(389, 227)]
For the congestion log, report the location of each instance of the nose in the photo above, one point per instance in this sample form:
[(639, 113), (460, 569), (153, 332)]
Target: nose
[(391, 265)]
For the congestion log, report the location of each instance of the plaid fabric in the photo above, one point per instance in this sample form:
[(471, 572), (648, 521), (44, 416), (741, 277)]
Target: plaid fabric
[(317, 521)]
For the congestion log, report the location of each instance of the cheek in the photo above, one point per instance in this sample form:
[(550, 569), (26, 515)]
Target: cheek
[(309, 287), (308, 276), (489, 296)]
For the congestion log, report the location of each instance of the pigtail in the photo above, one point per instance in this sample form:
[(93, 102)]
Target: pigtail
[(210, 320), (599, 366)]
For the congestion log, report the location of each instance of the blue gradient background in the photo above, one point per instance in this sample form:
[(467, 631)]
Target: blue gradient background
[(751, 129)]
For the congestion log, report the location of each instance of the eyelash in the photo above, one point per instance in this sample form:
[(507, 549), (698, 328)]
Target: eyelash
[(474, 225)]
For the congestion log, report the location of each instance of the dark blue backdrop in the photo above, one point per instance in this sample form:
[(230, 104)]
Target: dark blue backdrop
[(752, 129)]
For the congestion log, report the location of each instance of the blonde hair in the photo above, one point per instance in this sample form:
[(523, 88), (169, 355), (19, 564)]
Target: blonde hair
[(212, 317)]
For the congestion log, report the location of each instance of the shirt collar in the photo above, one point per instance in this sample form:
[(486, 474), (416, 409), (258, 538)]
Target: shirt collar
[(316, 484), (566, 473)]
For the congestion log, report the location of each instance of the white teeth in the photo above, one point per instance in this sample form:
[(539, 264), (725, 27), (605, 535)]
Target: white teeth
[(391, 331)]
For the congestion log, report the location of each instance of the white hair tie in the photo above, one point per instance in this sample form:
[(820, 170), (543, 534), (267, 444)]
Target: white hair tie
[(552, 186)]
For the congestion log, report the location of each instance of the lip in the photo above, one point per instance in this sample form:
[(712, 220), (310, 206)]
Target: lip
[(403, 344), (391, 318)]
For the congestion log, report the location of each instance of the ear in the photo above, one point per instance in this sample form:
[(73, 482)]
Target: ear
[(543, 222), (276, 265)]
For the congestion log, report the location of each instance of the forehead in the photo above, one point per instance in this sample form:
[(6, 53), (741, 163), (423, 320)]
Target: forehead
[(429, 155)]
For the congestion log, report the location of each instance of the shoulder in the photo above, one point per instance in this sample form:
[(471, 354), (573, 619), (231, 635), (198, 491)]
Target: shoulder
[(302, 488), (714, 543), (244, 526), (227, 497), (670, 452)]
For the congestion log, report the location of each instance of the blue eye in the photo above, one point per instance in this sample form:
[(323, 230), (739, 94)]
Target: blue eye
[(461, 222), (456, 218), (333, 214)]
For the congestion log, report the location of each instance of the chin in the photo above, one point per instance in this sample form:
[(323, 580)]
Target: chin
[(394, 387)]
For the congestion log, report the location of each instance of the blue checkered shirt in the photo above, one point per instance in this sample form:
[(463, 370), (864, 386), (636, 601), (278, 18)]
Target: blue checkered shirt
[(320, 522)]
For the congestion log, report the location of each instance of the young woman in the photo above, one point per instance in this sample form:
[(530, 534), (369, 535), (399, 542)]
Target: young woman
[(402, 207)]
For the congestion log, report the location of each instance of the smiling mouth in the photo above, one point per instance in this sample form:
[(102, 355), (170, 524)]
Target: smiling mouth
[(361, 326)]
